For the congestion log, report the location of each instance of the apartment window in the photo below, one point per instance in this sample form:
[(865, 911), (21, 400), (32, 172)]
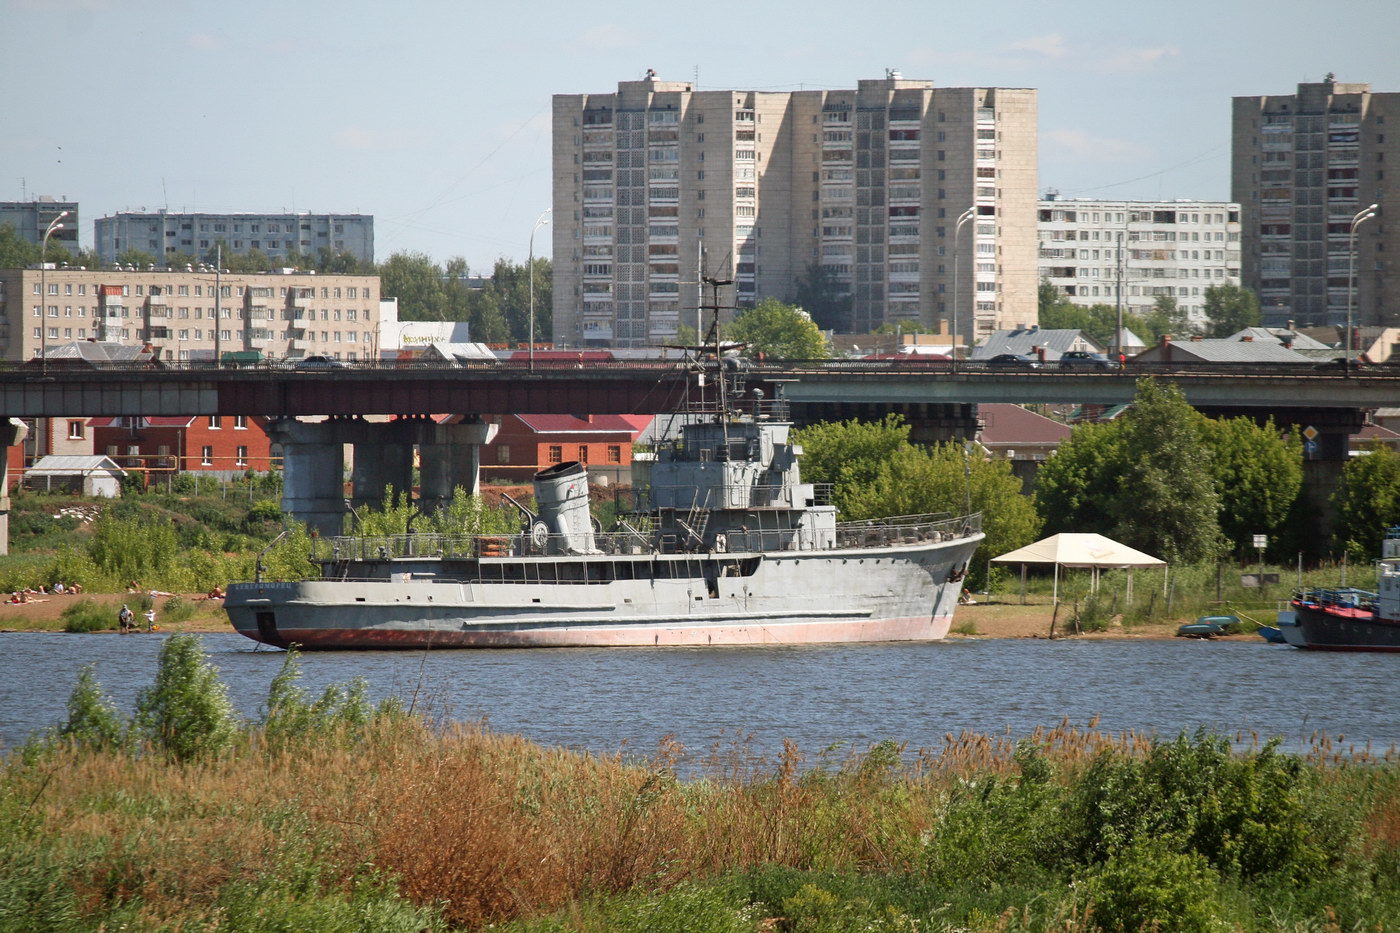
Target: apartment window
[(75, 430), (241, 458), (503, 453), (583, 453), (240, 422), (614, 453), (207, 456), (556, 453), (214, 424)]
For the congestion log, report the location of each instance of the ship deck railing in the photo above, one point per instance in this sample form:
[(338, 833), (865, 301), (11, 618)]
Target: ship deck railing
[(730, 496), (889, 532), (1340, 598)]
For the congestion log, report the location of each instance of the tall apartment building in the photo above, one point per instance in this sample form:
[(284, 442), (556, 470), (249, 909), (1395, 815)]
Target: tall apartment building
[(653, 180), (1091, 250), (31, 218), (1303, 166), (164, 233), (190, 315)]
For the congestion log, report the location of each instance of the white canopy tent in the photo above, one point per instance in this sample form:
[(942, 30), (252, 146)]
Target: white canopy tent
[(1081, 550)]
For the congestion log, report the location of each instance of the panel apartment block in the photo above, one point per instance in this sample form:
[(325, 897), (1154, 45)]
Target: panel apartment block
[(657, 181), (190, 315), (31, 218), (1303, 165), (164, 233), (1094, 250)]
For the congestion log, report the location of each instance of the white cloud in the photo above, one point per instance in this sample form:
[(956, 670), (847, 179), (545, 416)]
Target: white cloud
[(1051, 45), (1085, 145), (1135, 60), (204, 41), (609, 37)]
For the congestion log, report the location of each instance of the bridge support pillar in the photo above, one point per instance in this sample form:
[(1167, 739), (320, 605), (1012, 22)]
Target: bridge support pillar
[(449, 455), (383, 455), (313, 468)]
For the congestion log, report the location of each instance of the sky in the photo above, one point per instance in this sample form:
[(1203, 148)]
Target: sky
[(434, 115)]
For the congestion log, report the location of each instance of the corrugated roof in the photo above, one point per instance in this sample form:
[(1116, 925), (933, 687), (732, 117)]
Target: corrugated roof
[(1025, 341), (71, 465), (1282, 336), (1225, 350)]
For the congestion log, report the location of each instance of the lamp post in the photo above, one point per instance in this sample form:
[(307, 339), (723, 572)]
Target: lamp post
[(55, 224), (544, 219), (963, 218), (1363, 215)]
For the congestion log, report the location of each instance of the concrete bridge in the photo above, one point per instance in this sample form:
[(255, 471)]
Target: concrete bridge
[(938, 398)]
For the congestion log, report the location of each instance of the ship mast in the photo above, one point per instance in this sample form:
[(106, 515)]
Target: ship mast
[(723, 389)]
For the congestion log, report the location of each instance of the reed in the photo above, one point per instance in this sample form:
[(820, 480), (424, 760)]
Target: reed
[(326, 814)]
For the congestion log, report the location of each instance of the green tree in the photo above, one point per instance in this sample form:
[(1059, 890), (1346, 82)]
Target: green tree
[(1166, 504), (417, 282), (1367, 502), (92, 718), (1145, 480), (1259, 474), (1074, 488), (779, 331), (16, 252), (139, 258), (1230, 309), (825, 297), (1166, 317), (876, 472)]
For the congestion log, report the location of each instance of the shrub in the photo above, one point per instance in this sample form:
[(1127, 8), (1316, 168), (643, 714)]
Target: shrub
[(88, 616), (1149, 887), (176, 610), (186, 712), (92, 719)]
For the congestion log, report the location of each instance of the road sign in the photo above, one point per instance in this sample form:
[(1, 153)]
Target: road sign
[(1310, 433), (1309, 447), (1261, 541)]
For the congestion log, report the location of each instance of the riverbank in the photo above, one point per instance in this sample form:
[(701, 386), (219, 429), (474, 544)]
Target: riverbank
[(45, 613)]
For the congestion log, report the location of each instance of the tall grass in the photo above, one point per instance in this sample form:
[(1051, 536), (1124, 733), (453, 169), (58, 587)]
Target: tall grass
[(326, 815)]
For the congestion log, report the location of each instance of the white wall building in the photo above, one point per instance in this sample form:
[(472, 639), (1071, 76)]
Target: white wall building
[(1175, 248)]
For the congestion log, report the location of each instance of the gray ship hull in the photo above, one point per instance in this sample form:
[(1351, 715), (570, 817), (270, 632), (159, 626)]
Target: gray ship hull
[(894, 593)]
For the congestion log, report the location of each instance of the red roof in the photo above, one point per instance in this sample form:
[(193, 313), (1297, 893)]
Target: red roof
[(1012, 424), (570, 424)]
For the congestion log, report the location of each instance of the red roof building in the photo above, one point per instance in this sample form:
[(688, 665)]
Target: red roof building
[(226, 445), (526, 444)]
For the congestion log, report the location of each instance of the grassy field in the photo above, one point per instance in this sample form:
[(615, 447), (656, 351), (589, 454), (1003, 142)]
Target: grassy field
[(329, 815)]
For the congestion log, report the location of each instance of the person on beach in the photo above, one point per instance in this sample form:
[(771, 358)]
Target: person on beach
[(150, 619), (126, 620)]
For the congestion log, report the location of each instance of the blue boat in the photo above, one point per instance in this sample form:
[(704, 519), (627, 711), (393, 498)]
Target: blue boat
[(1210, 627), (1272, 635)]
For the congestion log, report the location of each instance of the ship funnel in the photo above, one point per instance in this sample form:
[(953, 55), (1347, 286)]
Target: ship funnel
[(561, 495)]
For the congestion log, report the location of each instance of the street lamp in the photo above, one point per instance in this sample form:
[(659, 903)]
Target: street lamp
[(54, 224), (544, 219), (1363, 215), (963, 218)]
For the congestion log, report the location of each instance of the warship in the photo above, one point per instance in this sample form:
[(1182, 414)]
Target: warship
[(726, 546)]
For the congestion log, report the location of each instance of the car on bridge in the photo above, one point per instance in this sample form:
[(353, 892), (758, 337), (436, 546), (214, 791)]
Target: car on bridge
[(1084, 359), (1011, 361), (318, 363)]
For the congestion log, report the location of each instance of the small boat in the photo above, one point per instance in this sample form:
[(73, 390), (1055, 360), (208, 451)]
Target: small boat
[(1272, 635), (1210, 627)]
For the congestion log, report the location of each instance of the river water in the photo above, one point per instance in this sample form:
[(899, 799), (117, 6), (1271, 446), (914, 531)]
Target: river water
[(847, 697)]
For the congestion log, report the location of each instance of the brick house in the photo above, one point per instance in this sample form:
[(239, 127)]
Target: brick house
[(528, 443), (224, 445)]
